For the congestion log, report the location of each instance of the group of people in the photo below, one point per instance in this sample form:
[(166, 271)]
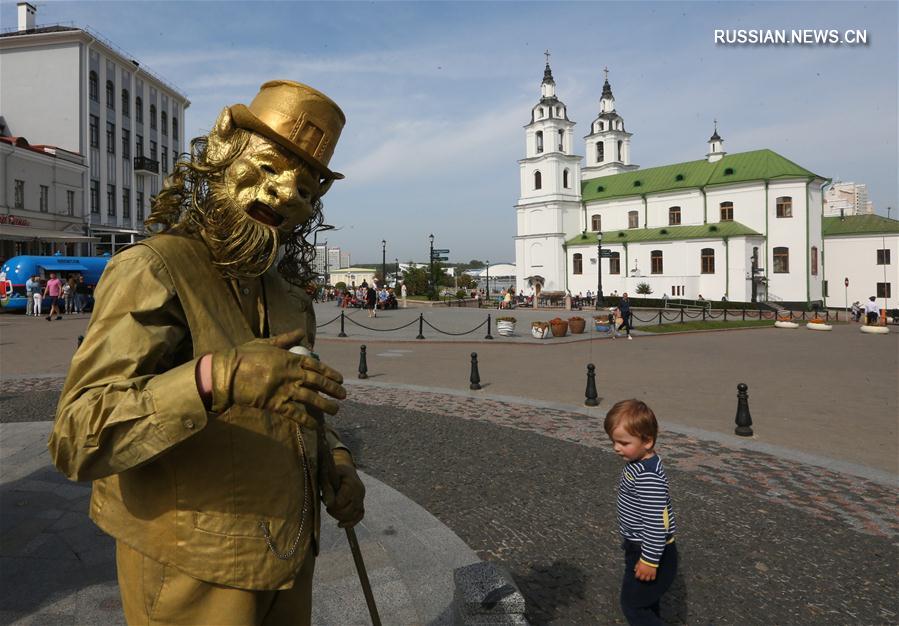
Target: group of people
[(369, 298), (65, 295), (870, 309)]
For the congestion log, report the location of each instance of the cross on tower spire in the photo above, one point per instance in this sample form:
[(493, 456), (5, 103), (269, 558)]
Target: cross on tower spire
[(546, 53), (605, 73)]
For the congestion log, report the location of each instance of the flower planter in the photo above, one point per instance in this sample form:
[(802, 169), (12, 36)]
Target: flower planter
[(505, 328), (874, 330), (818, 326), (577, 325), (559, 328), (541, 331), (601, 324), (785, 324)]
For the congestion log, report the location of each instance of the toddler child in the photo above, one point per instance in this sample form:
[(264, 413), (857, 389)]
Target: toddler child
[(645, 516)]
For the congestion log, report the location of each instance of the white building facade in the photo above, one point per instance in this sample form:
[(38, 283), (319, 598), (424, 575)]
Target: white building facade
[(745, 226), (846, 199), (41, 207), (68, 87), (861, 250)]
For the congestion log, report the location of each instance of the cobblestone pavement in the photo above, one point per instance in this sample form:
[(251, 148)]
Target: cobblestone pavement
[(762, 540)]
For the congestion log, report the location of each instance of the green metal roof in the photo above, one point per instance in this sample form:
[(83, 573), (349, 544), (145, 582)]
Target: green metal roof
[(732, 168), (859, 225), (666, 233)]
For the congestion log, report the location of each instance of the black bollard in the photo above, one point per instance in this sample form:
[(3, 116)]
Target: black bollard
[(363, 363), (421, 326), (475, 377), (489, 336), (341, 333), (80, 341), (592, 397), (743, 419)]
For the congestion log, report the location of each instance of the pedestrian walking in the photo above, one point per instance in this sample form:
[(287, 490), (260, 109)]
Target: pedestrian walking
[(80, 295), (646, 519), (68, 295), (29, 294), (371, 299), (403, 292), (37, 296), (624, 310), (53, 290)]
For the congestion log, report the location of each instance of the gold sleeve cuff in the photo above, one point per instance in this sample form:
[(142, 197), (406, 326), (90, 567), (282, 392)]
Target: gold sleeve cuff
[(179, 408)]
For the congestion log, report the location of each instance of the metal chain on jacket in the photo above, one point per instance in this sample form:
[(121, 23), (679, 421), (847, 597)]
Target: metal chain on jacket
[(284, 556)]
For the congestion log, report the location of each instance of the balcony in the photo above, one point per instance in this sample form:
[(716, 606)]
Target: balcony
[(143, 165)]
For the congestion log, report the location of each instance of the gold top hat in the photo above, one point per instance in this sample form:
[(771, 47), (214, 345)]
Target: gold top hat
[(298, 118)]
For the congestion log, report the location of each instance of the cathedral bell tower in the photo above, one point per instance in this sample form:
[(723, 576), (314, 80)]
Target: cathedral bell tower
[(549, 202), (608, 144), (716, 146)]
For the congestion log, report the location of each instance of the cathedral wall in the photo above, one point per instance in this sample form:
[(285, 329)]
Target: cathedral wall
[(748, 201), (690, 204)]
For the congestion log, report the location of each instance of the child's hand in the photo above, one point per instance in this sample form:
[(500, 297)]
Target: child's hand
[(644, 572)]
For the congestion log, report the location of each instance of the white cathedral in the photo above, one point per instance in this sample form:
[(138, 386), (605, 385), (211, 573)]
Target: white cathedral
[(747, 226)]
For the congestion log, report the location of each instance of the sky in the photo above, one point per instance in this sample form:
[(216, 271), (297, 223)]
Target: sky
[(437, 94)]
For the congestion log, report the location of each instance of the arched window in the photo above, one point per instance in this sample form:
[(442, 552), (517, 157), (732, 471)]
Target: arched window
[(565, 182), (600, 151), (541, 112), (727, 211), (139, 110), (785, 206), (578, 263), (620, 143), (152, 116), (174, 128), (814, 260), (110, 95), (615, 263), (164, 122), (708, 261), (602, 126), (539, 138), (656, 262), (94, 87), (633, 219), (538, 180), (674, 216), (561, 140), (596, 222), (126, 104), (781, 260)]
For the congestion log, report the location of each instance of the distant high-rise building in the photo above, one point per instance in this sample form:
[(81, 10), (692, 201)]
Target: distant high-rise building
[(320, 263), (344, 259), (847, 199), (334, 258)]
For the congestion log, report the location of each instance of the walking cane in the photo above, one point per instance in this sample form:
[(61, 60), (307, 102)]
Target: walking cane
[(327, 471)]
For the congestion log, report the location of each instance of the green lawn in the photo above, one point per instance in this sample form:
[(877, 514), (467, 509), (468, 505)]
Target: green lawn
[(707, 325)]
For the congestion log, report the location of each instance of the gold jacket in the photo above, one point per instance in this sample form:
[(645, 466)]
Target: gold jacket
[(185, 487)]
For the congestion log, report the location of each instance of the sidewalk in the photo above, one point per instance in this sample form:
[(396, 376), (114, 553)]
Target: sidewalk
[(57, 567)]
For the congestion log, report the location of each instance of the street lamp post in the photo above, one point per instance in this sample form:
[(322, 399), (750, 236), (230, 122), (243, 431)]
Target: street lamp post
[(488, 282), (431, 272), (384, 261), (600, 300), (396, 274)]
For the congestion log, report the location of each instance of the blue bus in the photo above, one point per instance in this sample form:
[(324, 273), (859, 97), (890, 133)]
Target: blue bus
[(15, 271)]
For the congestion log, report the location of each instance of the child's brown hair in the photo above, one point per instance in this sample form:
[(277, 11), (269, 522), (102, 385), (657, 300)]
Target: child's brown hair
[(637, 419)]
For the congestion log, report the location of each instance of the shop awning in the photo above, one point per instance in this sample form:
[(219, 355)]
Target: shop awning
[(27, 233)]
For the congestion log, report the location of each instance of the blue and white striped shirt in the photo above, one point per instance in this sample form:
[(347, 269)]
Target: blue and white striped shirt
[(644, 508)]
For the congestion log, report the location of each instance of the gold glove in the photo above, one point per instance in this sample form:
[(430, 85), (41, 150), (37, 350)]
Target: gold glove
[(263, 374), (347, 506)]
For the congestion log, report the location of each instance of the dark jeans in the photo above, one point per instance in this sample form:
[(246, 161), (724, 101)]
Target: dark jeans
[(872, 317), (640, 600), (626, 322)]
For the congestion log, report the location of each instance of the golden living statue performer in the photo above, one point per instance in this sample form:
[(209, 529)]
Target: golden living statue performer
[(184, 405)]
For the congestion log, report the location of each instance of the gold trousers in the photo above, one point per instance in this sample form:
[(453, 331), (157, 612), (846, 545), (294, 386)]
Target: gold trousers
[(156, 594)]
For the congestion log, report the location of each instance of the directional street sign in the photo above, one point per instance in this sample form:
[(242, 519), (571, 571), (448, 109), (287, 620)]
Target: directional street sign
[(440, 251), (606, 253), (441, 258)]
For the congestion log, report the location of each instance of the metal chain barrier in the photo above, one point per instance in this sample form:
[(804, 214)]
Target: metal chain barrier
[(467, 332), (330, 322), (380, 330)]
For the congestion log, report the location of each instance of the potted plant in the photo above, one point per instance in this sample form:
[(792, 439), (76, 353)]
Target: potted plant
[(576, 324), (559, 327), (601, 323), (818, 323), (505, 326), (540, 330)]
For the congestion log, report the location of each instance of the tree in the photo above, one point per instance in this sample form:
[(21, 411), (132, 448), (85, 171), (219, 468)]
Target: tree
[(474, 264), (644, 289), (416, 280)]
